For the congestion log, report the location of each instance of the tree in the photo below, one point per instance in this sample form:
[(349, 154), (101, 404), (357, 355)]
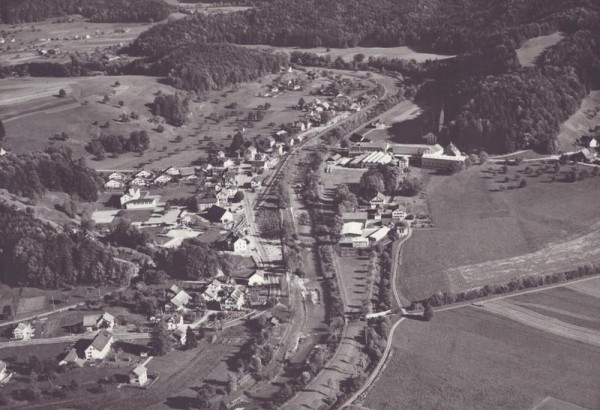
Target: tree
[(359, 58), (523, 183), (106, 99), (191, 340), (428, 313), (121, 103), (161, 342), (2, 131), (483, 157), (205, 393), (284, 394), (301, 102), (232, 383), (410, 186), (62, 93), (238, 197)]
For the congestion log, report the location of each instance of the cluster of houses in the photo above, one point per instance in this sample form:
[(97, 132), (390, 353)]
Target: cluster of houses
[(588, 154), (368, 227)]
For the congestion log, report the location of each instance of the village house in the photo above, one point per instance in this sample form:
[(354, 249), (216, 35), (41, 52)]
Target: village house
[(172, 171), (187, 173), (220, 154), (138, 182), (144, 174), (173, 321), (256, 298), (138, 376), (23, 331), (132, 194), (2, 152), (398, 214), (257, 279), (100, 346), (117, 176), (250, 153), (71, 356), (222, 196), (227, 163), (377, 201), (206, 202), (180, 335), (235, 300), (239, 245), (113, 184), (256, 183), (218, 214), (163, 179), (98, 321)]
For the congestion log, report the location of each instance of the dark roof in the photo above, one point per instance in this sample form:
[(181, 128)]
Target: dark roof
[(101, 340), (207, 200), (215, 213)]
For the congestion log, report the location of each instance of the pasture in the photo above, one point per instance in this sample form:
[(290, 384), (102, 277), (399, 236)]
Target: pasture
[(33, 112), (585, 122), (469, 358), (534, 47), (60, 33), (347, 54), (487, 236)]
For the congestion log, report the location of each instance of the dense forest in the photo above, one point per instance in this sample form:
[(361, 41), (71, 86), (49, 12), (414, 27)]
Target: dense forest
[(525, 107), (23, 11), (206, 67), (54, 169), (34, 253), (452, 27)]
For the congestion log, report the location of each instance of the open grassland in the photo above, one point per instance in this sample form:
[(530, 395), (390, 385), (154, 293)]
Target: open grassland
[(472, 359), (584, 122), (532, 48), (347, 54), (36, 36), (485, 236)]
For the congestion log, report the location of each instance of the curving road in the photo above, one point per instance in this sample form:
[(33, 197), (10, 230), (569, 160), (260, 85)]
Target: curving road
[(388, 346)]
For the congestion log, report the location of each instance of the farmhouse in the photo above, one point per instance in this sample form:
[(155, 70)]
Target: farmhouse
[(218, 214), (239, 245), (23, 331), (144, 174), (257, 279), (250, 153), (100, 346), (138, 376), (378, 201), (206, 202), (113, 184), (98, 321), (173, 321), (172, 171), (117, 176), (163, 179), (138, 182), (132, 194), (398, 214)]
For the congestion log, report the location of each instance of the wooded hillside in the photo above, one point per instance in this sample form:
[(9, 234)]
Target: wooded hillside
[(34, 253), (23, 11)]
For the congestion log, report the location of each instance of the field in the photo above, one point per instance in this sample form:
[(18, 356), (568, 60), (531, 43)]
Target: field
[(33, 112), (486, 236), (347, 54), (469, 358), (30, 38), (532, 48), (583, 122), (356, 277)]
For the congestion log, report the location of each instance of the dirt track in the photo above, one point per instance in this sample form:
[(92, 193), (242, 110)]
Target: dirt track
[(544, 323)]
